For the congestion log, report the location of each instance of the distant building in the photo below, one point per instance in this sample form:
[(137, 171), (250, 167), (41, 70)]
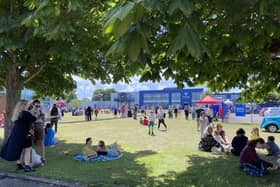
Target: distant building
[(128, 98), (224, 96), (169, 97)]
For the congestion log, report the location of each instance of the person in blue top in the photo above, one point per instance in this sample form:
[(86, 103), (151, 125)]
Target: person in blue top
[(49, 135), (272, 147)]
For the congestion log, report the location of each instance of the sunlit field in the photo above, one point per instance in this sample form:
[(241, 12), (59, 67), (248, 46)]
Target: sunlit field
[(170, 158)]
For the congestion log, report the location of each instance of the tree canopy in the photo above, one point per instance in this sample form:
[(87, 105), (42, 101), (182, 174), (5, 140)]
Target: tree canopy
[(103, 94), (222, 42), (43, 43)]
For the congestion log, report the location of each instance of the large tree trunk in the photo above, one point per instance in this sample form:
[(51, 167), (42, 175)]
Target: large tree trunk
[(13, 89)]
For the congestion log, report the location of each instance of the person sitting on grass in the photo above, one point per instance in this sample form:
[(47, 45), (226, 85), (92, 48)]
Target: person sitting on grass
[(250, 162), (272, 147), (104, 151), (239, 142), (87, 150), (101, 148), (145, 121), (221, 138), (254, 134), (219, 129), (208, 142), (49, 135)]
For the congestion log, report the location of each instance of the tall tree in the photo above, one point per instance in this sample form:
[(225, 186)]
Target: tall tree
[(74, 103), (103, 94), (221, 42), (70, 96), (42, 43)]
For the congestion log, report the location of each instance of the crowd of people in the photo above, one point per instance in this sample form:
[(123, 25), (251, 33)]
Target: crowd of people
[(160, 115), (28, 131), (31, 130), (215, 140), (89, 111)]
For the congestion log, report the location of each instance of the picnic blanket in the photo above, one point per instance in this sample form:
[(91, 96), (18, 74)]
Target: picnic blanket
[(253, 170), (80, 157)]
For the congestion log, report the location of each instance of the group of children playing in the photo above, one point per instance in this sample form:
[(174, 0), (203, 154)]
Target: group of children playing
[(151, 121), (241, 146), (101, 150)]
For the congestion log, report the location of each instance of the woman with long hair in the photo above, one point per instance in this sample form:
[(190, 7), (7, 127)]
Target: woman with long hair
[(19, 143)]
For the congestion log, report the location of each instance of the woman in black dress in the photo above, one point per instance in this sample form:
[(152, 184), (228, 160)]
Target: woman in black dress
[(20, 140)]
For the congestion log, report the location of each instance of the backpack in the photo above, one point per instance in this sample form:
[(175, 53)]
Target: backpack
[(54, 111)]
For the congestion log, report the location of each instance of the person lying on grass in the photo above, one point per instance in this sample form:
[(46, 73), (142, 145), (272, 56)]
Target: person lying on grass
[(103, 150), (250, 161), (87, 150)]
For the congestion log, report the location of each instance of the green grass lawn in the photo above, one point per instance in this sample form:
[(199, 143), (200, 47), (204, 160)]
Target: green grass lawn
[(168, 159)]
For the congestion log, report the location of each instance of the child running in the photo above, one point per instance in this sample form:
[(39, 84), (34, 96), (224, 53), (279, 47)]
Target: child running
[(152, 119)]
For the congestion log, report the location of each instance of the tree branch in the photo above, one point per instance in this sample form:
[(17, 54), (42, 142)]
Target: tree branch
[(39, 70)]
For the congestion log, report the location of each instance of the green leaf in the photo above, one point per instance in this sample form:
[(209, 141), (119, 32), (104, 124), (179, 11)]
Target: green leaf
[(120, 20), (30, 4), (186, 7), (152, 5), (174, 5), (178, 43), (183, 5), (120, 27), (186, 37), (134, 47)]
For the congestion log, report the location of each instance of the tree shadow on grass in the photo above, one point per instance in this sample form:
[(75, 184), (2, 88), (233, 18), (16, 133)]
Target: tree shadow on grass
[(126, 171), (219, 170)]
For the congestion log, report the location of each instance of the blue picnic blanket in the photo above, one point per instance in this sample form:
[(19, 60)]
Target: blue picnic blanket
[(253, 170), (80, 157)]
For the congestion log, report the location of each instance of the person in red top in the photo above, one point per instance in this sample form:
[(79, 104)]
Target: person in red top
[(249, 158), (145, 121), (96, 111)]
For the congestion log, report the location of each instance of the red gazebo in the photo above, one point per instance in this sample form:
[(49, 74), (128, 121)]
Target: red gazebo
[(207, 100), (59, 103)]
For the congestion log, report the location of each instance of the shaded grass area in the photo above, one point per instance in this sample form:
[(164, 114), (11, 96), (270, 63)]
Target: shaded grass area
[(169, 159)]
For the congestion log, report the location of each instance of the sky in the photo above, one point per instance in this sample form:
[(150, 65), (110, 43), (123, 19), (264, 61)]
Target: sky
[(85, 88)]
